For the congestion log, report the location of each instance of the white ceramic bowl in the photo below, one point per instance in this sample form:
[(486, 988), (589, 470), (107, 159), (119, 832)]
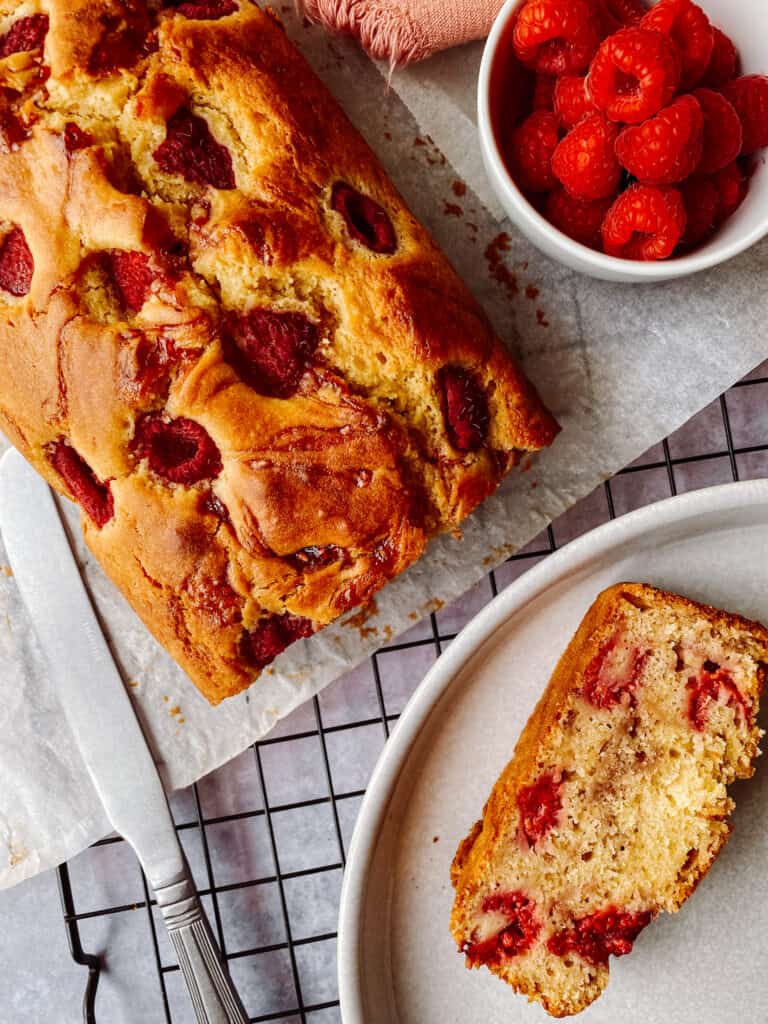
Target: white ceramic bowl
[(746, 22)]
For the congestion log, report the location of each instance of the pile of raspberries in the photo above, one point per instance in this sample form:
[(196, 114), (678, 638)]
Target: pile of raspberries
[(641, 133)]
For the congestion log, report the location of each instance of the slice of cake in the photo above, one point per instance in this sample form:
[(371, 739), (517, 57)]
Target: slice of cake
[(614, 805)]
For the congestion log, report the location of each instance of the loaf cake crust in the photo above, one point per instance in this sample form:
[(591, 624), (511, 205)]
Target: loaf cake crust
[(223, 332), (614, 805)]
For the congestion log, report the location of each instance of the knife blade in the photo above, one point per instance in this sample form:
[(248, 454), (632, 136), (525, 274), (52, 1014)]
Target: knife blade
[(104, 724)]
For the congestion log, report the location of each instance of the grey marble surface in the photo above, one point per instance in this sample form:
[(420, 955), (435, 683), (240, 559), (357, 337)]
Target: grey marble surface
[(303, 787)]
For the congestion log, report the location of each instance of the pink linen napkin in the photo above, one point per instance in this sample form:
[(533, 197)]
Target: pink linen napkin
[(401, 31)]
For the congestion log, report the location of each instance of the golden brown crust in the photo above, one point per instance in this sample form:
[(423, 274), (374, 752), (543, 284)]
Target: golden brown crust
[(481, 855), (144, 271)]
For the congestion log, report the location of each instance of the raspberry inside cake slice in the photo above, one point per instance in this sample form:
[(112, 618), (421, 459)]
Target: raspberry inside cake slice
[(614, 805)]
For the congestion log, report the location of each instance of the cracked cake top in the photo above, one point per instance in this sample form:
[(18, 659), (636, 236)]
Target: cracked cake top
[(223, 333)]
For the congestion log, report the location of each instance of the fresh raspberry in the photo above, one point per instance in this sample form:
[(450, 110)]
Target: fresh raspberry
[(24, 35), (626, 12), (732, 186), (132, 275), (701, 199), (710, 199), (271, 350), (618, 14), (190, 150), (605, 19), (688, 27), (723, 64), (367, 221), (645, 223), (667, 148), (539, 805), (16, 264), (556, 37), (179, 450), (531, 147), (613, 675), (515, 938), (75, 138), (610, 932), (544, 92), (634, 74), (465, 408), (206, 9), (572, 101), (723, 133), (261, 645), (714, 685), (580, 219), (585, 161), (93, 496), (749, 96)]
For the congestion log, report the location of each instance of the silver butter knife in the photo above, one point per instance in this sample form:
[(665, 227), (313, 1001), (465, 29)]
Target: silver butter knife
[(105, 726)]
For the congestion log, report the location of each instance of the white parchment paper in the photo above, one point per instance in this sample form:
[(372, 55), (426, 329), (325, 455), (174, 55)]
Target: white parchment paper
[(620, 366)]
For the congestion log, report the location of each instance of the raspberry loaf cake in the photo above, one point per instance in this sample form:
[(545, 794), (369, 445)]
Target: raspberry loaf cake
[(614, 805), (223, 333)]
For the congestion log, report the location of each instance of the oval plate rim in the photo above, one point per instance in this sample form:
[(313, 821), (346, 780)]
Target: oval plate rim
[(571, 558)]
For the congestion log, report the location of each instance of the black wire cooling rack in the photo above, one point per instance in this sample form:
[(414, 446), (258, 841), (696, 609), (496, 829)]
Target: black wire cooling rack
[(670, 466)]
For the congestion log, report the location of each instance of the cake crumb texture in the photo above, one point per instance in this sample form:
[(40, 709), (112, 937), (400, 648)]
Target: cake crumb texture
[(615, 804)]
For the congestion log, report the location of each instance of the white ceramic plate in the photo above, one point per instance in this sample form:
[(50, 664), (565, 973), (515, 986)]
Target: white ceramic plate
[(397, 961)]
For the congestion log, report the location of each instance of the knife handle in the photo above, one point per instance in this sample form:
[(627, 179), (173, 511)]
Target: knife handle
[(210, 987)]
